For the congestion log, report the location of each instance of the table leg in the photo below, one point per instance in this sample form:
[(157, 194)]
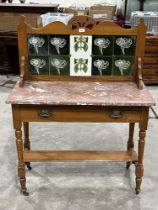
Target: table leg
[(141, 145), (26, 142), (139, 165), (21, 165), (130, 143)]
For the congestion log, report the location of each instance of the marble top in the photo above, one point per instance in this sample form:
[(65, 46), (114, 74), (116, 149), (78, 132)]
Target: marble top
[(80, 93)]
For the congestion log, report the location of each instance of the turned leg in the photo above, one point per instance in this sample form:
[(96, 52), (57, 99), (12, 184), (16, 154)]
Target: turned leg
[(139, 166), (130, 143), (21, 165), (26, 141)]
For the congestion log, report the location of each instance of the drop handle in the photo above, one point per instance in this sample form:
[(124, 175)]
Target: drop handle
[(115, 113), (45, 113)]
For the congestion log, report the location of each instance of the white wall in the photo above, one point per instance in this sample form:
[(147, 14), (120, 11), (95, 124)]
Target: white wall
[(66, 3)]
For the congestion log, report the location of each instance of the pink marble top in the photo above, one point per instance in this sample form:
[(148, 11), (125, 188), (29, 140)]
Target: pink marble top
[(80, 93)]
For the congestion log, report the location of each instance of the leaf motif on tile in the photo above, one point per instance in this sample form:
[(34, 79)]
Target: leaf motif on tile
[(37, 63), (37, 42), (81, 65), (81, 43)]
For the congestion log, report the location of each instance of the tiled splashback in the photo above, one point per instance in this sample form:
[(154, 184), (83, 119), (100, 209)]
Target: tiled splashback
[(76, 55)]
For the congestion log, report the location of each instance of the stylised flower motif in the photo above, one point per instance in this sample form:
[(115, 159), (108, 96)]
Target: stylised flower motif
[(37, 63), (123, 65), (81, 43), (58, 43), (58, 63), (124, 43), (36, 42), (101, 65), (101, 43), (81, 65)]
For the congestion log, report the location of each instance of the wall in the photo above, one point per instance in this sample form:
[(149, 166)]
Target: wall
[(69, 2)]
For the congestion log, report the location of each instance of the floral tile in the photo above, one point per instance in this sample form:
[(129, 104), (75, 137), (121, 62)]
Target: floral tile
[(37, 44), (124, 45), (39, 65), (59, 44), (80, 45), (102, 45), (101, 65), (122, 65), (59, 65), (80, 66)]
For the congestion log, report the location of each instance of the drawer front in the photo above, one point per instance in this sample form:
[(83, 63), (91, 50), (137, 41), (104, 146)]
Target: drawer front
[(151, 48), (152, 71), (150, 60), (79, 114)]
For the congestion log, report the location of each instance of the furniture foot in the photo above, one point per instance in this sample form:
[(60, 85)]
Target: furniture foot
[(28, 165), (128, 164), (25, 193)]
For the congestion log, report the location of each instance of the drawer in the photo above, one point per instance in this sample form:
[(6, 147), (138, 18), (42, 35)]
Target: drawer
[(150, 60), (150, 79), (150, 71), (79, 114), (151, 48)]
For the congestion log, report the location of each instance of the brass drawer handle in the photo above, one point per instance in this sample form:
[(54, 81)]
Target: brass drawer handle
[(115, 113), (45, 113)]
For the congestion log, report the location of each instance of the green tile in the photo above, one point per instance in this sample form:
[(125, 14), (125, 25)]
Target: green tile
[(59, 44), (101, 65), (102, 45), (122, 65), (124, 45), (37, 44), (60, 65), (39, 65)]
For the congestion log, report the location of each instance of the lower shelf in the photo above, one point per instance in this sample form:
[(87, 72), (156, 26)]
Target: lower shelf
[(64, 156)]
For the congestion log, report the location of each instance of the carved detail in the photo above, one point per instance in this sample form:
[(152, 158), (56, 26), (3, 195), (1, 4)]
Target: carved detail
[(22, 70), (140, 78), (80, 21)]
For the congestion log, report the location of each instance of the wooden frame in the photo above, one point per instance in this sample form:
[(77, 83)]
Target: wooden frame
[(80, 99), (98, 29)]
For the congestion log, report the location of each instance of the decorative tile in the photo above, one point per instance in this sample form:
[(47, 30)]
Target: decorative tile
[(80, 66), (101, 65), (39, 65), (80, 45), (59, 44), (37, 44), (102, 45), (124, 45), (76, 55), (122, 65), (60, 65)]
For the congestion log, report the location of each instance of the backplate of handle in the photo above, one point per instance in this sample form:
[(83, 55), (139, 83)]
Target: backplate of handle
[(115, 113), (45, 113)]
